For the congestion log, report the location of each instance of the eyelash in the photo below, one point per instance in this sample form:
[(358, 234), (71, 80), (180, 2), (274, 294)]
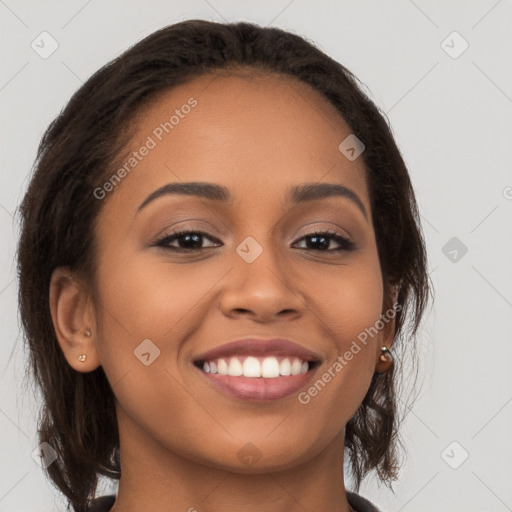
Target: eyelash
[(345, 243)]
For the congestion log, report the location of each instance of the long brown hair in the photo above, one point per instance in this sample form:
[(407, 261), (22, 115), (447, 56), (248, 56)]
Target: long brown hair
[(58, 214)]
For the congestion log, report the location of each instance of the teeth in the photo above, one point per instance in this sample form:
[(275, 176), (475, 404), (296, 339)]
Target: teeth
[(285, 367), (296, 367), (222, 367), (251, 367), (235, 367), (269, 367)]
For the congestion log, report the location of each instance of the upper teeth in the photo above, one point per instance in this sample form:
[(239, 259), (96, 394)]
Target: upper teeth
[(269, 367)]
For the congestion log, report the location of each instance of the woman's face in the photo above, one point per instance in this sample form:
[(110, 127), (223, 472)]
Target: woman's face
[(259, 271)]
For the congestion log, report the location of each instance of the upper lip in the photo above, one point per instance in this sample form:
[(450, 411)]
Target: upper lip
[(253, 345)]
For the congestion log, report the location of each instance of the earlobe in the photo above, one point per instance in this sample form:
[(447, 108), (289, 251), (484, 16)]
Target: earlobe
[(73, 315)]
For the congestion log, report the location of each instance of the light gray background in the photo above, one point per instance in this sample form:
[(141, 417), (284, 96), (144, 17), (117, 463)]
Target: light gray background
[(452, 120)]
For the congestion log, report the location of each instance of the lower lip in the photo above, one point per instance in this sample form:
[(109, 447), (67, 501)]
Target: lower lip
[(258, 388)]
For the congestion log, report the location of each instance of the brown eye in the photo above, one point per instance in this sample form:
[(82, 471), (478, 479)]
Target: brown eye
[(321, 240), (190, 241), (187, 240)]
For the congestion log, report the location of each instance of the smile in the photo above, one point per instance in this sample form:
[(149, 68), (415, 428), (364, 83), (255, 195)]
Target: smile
[(269, 367), (257, 378)]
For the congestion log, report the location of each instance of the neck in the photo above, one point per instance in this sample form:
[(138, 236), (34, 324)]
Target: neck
[(154, 478)]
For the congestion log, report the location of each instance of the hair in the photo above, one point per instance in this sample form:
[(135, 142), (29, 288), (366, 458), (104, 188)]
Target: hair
[(58, 214)]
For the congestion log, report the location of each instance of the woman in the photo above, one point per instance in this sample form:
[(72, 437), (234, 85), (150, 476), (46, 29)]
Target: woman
[(220, 246)]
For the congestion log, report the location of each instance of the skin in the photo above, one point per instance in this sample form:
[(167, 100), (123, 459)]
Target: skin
[(180, 437)]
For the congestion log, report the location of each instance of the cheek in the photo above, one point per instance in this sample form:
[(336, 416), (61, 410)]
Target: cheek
[(347, 299), (148, 294), (146, 310), (348, 307), (145, 298)]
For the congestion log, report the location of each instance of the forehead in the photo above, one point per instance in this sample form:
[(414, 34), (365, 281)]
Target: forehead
[(258, 134)]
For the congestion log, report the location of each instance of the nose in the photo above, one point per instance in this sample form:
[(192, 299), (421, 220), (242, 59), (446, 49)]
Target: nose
[(263, 290)]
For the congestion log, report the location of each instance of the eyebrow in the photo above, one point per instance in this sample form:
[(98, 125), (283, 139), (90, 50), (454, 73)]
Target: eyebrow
[(214, 192)]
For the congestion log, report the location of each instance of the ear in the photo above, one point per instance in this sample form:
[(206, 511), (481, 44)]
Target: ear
[(73, 319)]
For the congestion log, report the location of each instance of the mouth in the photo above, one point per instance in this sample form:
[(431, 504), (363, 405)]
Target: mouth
[(257, 379), (258, 370), (253, 366)]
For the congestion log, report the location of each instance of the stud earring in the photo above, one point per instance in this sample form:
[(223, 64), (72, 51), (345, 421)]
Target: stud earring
[(386, 355), (82, 357), (88, 332), (386, 360)]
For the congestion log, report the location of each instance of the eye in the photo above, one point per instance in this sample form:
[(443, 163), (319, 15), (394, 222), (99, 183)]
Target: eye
[(321, 240), (190, 240)]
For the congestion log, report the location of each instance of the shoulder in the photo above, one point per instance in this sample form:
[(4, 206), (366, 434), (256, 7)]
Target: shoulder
[(103, 503), (360, 504)]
